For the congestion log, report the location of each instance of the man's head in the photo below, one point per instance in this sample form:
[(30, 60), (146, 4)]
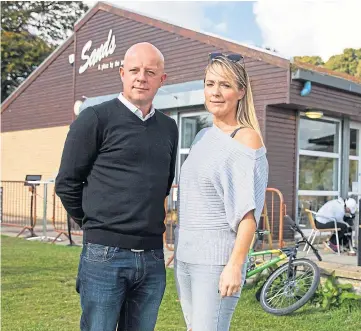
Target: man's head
[(142, 74), (350, 206)]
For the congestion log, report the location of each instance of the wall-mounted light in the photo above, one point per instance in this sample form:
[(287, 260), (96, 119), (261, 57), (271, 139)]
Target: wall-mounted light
[(77, 105), (314, 114), (71, 59)]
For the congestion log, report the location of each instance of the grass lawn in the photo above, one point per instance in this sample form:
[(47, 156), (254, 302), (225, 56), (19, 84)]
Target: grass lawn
[(38, 294)]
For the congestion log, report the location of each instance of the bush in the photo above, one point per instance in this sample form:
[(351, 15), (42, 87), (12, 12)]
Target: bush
[(333, 295)]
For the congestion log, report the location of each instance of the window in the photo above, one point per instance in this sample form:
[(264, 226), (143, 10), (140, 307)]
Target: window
[(319, 163), (354, 185), (190, 125), (318, 173), (319, 135)]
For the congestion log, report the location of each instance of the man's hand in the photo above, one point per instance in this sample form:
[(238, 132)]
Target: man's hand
[(230, 280)]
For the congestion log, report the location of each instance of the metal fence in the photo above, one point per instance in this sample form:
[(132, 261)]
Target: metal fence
[(19, 209), (62, 222), (18, 205)]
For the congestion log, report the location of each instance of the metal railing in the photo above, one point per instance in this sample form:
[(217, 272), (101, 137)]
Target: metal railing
[(273, 214), (19, 209), (18, 205), (62, 222)]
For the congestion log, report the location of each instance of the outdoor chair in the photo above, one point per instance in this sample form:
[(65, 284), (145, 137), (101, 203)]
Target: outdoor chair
[(316, 231)]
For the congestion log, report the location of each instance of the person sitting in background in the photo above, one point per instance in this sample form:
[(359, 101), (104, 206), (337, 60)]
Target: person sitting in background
[(340, 210)]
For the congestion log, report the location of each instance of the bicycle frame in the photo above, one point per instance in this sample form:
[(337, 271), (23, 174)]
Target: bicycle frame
[(282, 254), (265, 265)]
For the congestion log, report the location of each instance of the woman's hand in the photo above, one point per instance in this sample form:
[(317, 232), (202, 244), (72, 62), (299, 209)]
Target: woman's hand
[(231, 277), (230, 280)]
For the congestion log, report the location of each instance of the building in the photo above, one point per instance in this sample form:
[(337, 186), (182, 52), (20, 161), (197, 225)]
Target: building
[(310, 117)]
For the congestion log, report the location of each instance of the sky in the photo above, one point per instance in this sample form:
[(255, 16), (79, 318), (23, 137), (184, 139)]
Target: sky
[(292, 28)]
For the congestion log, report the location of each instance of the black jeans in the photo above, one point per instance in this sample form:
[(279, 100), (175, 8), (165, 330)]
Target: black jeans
[(341, 234)]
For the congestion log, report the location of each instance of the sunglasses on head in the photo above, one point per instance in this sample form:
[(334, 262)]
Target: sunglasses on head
[(232, 57)]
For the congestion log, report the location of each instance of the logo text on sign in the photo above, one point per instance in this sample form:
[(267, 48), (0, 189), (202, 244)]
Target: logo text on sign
[(97, 54)]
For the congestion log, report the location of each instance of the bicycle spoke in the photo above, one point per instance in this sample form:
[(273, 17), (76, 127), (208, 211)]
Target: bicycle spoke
[(288, 288)]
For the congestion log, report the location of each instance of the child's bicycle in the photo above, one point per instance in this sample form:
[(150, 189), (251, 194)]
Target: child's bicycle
[(290, 285)]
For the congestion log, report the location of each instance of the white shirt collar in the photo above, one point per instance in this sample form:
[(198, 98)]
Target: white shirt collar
[(135, 109)]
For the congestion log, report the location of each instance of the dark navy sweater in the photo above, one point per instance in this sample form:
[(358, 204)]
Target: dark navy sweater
[(115, 173)]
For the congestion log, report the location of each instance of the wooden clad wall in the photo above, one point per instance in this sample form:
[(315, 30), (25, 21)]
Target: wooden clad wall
[(327, 98), (48, 100), (185, 60), (281, 143)]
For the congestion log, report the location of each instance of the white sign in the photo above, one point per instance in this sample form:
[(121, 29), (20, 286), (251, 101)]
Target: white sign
[(97, 54)]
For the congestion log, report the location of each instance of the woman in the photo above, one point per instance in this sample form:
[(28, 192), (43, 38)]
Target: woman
[(221, 195)]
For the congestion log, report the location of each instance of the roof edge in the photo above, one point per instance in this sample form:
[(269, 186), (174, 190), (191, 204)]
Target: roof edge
[(327, 80), (325, 71), (233, 46)]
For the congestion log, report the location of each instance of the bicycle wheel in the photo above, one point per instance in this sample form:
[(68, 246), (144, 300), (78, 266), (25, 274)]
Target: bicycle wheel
[(282, 293)]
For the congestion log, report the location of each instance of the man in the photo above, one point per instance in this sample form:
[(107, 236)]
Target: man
[(339, 210), (117, 168)]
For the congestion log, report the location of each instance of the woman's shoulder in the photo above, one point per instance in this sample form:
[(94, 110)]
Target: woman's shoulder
[(250, 138)]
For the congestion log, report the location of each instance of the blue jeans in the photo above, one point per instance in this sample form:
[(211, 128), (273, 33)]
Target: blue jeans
[(203, 307), (120, 288)]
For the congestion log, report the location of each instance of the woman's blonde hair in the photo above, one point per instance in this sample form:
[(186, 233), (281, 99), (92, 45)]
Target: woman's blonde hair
[(235, 72)]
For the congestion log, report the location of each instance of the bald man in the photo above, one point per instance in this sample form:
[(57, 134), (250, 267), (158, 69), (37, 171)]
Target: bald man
[(117, 168)]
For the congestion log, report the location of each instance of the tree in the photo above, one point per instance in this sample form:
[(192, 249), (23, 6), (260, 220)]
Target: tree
[(315, 60), (30, 32), (21, 53), (358, 70), (346, 62)]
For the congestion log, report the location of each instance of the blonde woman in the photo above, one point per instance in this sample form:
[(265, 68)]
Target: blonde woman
[(221, 194)]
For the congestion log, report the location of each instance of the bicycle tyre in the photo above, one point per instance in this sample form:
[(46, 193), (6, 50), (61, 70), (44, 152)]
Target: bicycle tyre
[(299, 303)]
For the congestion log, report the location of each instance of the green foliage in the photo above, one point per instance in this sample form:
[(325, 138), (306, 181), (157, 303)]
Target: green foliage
[(334, 295), (29, 32), (38, 294), (358, 70), (21, 53), (315, 60), (349, 62), (52, 21)]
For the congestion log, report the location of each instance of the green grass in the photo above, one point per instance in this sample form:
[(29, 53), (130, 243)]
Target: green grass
[(38, 294)]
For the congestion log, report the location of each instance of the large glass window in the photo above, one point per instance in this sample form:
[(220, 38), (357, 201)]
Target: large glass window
[(319, 135), (190, 125), (319, 163), (318, 173)]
